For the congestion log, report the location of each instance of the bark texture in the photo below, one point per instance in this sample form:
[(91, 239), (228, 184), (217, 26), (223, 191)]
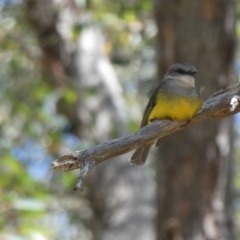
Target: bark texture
[(194, 166)]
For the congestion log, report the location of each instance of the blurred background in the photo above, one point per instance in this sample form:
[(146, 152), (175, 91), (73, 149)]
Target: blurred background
[(75, 73)]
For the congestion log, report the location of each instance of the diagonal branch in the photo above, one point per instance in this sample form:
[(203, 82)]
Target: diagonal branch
[(221, 105)]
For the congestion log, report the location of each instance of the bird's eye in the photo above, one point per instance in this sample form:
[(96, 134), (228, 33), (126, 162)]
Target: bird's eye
[(181, 71)]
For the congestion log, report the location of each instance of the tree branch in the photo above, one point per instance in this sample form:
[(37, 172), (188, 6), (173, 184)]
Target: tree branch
[(221, 105)]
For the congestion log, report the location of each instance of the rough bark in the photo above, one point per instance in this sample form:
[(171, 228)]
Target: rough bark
[(194, 166)]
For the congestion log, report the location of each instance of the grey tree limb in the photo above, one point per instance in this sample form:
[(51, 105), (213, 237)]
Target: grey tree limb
[(220, 105)]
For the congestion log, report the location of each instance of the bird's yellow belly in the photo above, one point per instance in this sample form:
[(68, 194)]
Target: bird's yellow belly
[(176, 108)]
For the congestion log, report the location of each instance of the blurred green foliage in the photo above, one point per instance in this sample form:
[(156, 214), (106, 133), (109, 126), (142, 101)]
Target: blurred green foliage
[(35, 203)]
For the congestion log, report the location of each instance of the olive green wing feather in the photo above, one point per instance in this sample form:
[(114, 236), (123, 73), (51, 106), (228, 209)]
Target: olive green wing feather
[(139, 157)]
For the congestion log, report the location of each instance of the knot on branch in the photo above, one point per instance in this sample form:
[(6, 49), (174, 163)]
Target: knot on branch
[(234, 102)]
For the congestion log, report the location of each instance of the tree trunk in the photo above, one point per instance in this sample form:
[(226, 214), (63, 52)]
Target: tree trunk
[(121, 208), (195, 165)]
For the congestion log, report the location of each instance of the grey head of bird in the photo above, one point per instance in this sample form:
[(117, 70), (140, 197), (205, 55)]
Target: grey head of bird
[(182, 71)]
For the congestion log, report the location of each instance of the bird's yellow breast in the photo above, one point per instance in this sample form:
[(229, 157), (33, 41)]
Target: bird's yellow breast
[(175, 108)]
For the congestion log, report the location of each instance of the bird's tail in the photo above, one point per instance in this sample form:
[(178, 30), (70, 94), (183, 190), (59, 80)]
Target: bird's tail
[(161, 141), (139, 157)]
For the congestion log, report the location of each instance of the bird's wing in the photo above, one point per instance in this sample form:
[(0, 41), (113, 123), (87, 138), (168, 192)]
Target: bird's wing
[(149, 107)]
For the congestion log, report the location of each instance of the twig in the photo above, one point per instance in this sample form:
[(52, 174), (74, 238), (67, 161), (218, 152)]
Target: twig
[(221, 105), (85, 169)]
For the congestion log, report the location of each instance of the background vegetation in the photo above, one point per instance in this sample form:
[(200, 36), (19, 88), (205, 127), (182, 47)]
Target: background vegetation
[(75, 73)]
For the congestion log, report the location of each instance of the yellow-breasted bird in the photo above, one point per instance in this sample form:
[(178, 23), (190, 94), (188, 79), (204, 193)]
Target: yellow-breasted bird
[(176, 98)]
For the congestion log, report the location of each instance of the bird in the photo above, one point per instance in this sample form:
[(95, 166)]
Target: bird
[(175, 98)]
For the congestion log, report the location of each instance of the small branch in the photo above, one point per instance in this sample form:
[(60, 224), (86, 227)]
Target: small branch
[(221, 105), (85, 169)]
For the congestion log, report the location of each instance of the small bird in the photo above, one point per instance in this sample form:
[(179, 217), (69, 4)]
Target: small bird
[(175, 98)]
